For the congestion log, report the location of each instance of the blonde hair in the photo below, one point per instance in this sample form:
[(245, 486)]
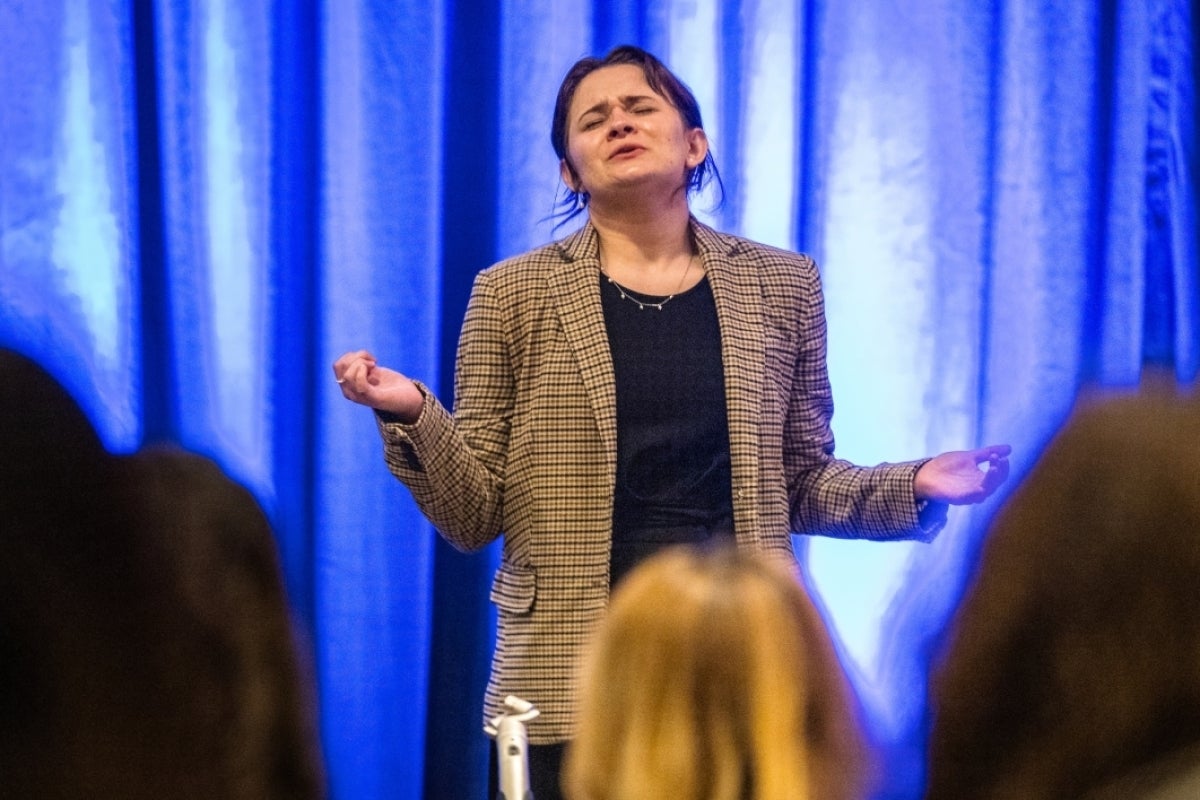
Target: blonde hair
[(713, 677)]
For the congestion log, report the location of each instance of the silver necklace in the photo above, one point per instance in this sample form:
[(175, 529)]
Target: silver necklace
[(641, 304)]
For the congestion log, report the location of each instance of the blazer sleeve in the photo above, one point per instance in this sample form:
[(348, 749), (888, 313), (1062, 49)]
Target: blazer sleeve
[(454, 463), (828, 495)]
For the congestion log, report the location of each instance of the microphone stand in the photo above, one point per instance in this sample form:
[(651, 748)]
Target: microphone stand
[(511, 748)]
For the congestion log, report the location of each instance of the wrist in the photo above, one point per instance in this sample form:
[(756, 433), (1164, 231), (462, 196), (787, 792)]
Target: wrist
[(922, 491), (405, 412)]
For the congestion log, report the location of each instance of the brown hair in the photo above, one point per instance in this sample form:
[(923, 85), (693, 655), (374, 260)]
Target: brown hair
[(146, 645), (661, 80), (1075, 655)]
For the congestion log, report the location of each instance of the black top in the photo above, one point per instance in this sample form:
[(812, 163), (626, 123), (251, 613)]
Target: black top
[(672, 429)]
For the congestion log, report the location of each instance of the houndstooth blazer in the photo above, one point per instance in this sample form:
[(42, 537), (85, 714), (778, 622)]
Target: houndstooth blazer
[(530, 450)]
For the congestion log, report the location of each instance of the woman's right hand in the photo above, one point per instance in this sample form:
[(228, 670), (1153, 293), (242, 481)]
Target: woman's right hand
[(363, 381)]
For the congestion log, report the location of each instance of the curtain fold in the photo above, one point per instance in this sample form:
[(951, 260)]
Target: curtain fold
[(378, 289), (203, 204), (69, 255)]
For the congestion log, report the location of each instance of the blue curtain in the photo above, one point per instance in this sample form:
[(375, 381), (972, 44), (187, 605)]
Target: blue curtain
[(203, 203)]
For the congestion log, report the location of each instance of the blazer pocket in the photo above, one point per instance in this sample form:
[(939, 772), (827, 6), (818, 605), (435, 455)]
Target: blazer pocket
[(514, 588)]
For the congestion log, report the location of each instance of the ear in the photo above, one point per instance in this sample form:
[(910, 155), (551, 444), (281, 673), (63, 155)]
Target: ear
[(568, 176), (697, 147)]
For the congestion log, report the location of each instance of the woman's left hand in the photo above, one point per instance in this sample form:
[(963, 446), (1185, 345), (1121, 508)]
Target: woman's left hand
[(962, 476)]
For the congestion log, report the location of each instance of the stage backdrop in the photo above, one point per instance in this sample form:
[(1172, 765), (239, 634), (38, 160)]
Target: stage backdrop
[(204, 202)]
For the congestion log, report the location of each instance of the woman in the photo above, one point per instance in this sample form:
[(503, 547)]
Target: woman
[(645, 380), (713, 678)]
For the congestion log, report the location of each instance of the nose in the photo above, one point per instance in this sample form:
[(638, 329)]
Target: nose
[(619, 124)]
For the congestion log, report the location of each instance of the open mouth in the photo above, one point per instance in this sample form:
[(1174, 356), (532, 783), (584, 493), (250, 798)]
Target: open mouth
[(629, 149)]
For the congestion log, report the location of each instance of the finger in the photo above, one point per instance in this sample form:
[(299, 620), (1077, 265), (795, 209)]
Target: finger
[(354, 370), (996, 474), (346, 360), (339, 366), (356, 376), (341, 373), (991, 453)]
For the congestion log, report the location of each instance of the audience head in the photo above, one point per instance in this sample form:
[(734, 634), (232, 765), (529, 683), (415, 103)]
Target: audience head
[(51, 460), (146, 647), (712, 676), (1075, 655)]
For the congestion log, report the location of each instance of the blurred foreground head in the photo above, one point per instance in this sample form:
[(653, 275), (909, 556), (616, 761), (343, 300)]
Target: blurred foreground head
[(146, 646), (1074, 659), (713, 677)]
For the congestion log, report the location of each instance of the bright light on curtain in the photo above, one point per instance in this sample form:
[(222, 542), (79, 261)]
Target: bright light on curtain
[(203, 204), (68, 176)]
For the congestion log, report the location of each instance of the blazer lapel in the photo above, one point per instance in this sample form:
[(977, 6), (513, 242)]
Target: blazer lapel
[(738, 298), (575, 288)]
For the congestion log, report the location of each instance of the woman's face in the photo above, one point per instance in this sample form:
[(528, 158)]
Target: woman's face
[(622, 135)]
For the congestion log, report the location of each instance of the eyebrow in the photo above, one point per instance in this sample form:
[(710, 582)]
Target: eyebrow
[(626, 101)]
